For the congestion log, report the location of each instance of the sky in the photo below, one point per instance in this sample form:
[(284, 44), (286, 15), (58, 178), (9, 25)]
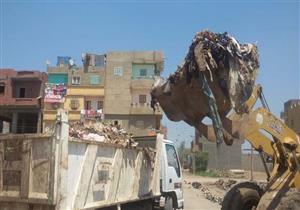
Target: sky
[(32, 32)]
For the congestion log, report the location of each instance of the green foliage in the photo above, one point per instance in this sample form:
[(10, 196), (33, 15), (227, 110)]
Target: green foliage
[(181, 151), (201, 159), (207, 173)]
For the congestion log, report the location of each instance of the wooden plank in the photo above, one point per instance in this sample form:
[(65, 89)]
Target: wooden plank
[(12, 165), (155, 182), (137, 174), (116, 171), (86, 172), (25, 173), (52, 187), (1, 165), (62, 176)]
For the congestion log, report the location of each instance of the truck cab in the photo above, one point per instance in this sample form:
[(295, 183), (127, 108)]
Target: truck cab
[(170, 178), (170, 172)]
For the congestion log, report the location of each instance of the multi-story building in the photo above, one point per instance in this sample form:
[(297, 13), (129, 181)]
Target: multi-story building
[(291, 114), (21, 94), (117, 85), (84, 88), (128, 81)]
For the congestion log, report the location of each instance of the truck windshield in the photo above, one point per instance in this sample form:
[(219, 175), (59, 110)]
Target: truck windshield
[(172, 158)]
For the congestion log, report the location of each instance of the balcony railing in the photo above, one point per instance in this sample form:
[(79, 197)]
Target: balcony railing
[(144, 108), (91, 114), (20, 102)]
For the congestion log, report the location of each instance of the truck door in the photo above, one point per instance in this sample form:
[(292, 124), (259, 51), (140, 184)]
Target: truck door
[(173, 175)]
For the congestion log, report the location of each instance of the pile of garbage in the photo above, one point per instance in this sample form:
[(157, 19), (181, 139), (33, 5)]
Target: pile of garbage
[(216, 66), (225, 184), (101, 132), (207, 193)]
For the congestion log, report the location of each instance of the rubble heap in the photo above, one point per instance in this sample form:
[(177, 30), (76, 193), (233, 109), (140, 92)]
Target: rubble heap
[(101, 132), (215, 63), (207, 193), (225, 185)]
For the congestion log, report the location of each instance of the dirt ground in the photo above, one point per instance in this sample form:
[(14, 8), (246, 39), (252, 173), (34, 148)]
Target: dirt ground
[(208, 192)]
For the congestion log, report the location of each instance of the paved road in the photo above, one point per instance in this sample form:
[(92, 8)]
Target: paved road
[(194, 200)]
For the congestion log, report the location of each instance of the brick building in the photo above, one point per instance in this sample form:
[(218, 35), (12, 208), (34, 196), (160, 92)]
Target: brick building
[(21, 95)]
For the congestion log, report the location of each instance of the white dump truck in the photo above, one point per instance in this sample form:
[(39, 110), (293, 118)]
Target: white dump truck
[(52, 172)]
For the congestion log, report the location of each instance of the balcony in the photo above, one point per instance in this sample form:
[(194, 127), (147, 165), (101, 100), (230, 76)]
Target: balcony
[(20, 102), (142, 83), (144, 109)]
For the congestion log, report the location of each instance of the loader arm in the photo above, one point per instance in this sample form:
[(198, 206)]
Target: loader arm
[(269, 135)]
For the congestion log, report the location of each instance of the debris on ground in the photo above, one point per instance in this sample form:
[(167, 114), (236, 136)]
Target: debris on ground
[(101, 132), (196, 185), (225, 184), (206, 192), (290, 201)]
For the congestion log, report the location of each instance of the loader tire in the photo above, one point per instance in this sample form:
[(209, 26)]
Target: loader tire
[(242, 196)]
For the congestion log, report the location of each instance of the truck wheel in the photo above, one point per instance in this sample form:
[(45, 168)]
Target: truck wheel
[(244, 195), (169, 203)]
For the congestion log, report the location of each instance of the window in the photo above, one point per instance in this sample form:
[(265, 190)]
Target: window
[(172, 158), (94, 80), (2, 88), (100, 105), (143, 72), (22, 93), (76, 80), (118, 71), (87, 105), (74, 104), (142, 99)]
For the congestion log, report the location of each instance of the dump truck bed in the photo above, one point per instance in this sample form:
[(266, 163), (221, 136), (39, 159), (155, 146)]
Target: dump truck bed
[(55, 172)]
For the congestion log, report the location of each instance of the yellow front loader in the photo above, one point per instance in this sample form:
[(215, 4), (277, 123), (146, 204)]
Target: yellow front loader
[(270, 137)]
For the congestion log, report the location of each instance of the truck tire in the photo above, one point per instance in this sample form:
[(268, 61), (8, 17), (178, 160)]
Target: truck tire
[(169, 203), (242, 196)]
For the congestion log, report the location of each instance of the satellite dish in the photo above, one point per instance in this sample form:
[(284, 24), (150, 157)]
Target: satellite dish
[(83, 56), (71, 62)]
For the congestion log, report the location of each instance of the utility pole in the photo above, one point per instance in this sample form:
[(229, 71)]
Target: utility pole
[(251, 176)]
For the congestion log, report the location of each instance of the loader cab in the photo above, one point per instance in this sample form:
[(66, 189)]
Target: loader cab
[(171, 177)]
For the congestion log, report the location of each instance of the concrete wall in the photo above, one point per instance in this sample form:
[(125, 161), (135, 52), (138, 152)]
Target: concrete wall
[(223, 156), (257, 163)]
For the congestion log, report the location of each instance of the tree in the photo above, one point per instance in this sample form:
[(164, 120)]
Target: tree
[(181, 152)]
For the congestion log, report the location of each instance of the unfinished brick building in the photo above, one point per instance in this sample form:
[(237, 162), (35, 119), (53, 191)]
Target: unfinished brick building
[(21, 95)]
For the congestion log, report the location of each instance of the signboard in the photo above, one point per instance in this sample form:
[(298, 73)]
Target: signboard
[(55, 93)]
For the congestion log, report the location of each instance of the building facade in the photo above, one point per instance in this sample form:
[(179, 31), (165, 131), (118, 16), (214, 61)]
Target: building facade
[(291, 114), (84, 89), (129, 78), (114, 87), (21, 100)]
